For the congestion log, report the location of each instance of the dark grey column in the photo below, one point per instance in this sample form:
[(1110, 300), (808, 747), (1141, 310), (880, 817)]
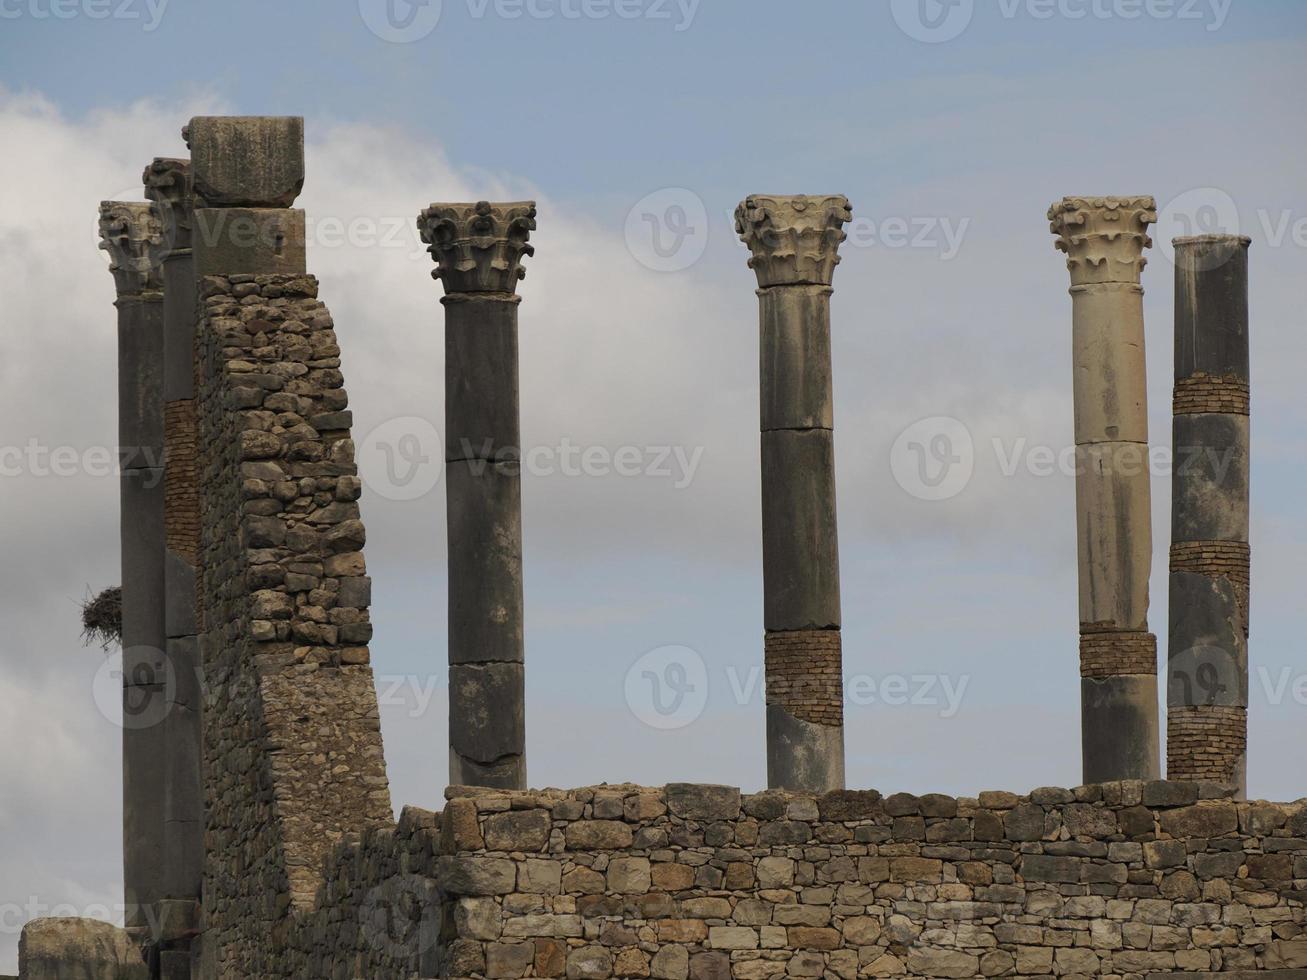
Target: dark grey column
[(478, 249), (168, 186), (131, 236), (1105, 238), (1207, 676), (794, 243)]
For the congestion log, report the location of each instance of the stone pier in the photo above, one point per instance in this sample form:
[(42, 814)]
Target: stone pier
[(794, 243), (1104, 239), (131, 236), (168, 186), (478, 249), (1207, 670)]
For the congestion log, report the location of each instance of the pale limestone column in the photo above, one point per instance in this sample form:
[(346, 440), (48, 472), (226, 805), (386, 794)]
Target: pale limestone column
[(131, 236), (168, 186), (1207, 669), (478, 249), (1105, 238), (794, 243)]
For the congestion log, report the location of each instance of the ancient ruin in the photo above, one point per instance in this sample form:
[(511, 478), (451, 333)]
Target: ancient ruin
[(259, 836)]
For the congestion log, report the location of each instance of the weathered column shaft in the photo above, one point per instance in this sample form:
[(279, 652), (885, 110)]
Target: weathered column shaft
[(167, 184), (1104, 239), (131, 236), (794, 243), (1207, 670), (478, 249)]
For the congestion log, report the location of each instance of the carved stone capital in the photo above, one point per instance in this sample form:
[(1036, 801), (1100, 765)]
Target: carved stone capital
[(794, 240), (478, 248), (168, 185), (130, 233), (1104, 237)]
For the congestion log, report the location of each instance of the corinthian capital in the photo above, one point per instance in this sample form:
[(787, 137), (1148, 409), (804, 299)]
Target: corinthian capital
[(1104, 237), (794, 239), (478, 248), (130, 233), (168, 184)]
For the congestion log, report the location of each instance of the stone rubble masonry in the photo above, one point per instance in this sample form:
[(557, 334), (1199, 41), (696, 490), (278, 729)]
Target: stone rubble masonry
[(691, 882), (794, 247), (133, 238), (1207, 670), (292, 742), (478, 249), (1104, 239)]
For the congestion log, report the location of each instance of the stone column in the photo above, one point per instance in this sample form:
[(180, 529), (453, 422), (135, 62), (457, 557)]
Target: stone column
[(1104, 239), (1207, 671), (168, 186), (794, 243), (478, 250), (131, 236)]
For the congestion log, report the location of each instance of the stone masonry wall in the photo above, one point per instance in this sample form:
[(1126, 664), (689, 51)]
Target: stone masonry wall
[(293, 755), (1122, 879)]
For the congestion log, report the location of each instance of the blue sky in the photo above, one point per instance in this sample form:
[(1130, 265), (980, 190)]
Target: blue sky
[(962, 142)]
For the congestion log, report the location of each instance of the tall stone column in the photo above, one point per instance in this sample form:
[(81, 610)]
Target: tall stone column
[(1104, 239), (168, 186), (131, 236), (478, 250), (1207, 675), (794, 243)]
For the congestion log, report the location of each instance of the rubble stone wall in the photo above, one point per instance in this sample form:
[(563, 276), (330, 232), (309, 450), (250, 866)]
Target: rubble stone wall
[(1128, 879), (292, 741)]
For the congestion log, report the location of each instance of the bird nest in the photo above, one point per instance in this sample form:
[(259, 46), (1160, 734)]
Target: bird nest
[(102, 618)]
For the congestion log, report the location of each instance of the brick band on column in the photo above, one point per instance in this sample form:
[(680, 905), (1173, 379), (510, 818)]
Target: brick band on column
[(1107, 652), (1104, 239), (1207, 660), (804, 673), (794, 247), (478, 249)]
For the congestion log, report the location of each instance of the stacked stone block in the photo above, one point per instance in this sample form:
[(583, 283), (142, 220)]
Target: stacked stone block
[(794, 246), (1104, 239), (701, 883), (1207, 682)]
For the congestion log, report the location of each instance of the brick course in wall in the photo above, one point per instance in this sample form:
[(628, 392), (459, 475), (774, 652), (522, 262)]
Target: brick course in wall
[(1205, 741), (181, 481), (1202, 394), (1107, 652), (804, 674)]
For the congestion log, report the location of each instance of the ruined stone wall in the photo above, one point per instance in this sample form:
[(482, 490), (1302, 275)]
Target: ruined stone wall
[(293, 755), (690, 881)]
